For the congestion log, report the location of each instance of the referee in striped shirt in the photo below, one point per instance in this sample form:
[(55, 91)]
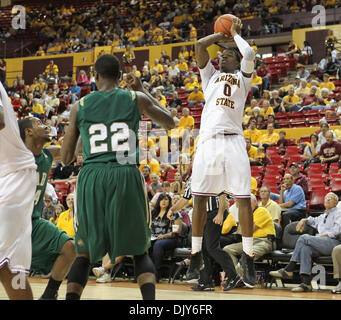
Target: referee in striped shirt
[(211, 243)]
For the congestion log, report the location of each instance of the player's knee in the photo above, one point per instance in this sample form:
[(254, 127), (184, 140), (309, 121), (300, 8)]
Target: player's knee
[(68, 250), (143, 265)]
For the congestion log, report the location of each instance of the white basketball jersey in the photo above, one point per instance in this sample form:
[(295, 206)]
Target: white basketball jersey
[(14, 155), (225, 96)]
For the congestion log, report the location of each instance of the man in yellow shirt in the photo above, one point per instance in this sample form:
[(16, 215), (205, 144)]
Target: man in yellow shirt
[(285, 89), (161, 98), (263, 226), (253, 133), (196, 97), (156, 66), (192, 32), (51, 67), (326, 83), (186, 121), (266, 109), (255, 84), (270, 138), (37, 109), (273, 207), (252, 152), (191, 82), (303, 90), (182, 65), (290, 101), (152, 163), (65, 219), (40, 52)]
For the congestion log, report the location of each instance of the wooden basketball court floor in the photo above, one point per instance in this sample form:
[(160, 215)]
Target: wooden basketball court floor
[(122, 289)]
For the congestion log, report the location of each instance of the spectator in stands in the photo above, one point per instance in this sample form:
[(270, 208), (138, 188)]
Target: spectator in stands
[(146, 173), (275, 101), (312, 151), (303, 73), (331, 150), (169, 88), (272, 119), (48, 210), (266, 109), (40, 52), (172, 157), (256, 85), (326, 83), (328, 226), (307, 51), (309, 102), (186, 121), (303, 90), (196, 97), (260, 122), (52, 104), (252, 152), (161, 98), (299, 179), (173, 71), (152, 163), (166, 188), (292, 201), (74, 92), (322, 134), (163, 233), (58, 209), (270, 138), (283, 91), (178, 186), (331, 67), (263, 226), (294, 51), (37, 109), (52, 68), (252, 132), (175, 102), (155, 185), (264, 73), (179, 81), (65, 219), (82, 79), (316, 71), (282, 141), (336, 256), (290, 101), (265, 202)]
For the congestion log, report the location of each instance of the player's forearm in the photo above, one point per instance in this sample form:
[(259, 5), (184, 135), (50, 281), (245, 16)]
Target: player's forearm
[(247, 64), (207, 41), (180, 204)]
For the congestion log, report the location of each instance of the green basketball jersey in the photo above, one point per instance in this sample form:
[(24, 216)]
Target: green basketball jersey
[(108, 123), (44, 163)]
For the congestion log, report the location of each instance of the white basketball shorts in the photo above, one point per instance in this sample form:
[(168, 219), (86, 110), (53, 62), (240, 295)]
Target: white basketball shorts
[(17, 192), (222, 164)]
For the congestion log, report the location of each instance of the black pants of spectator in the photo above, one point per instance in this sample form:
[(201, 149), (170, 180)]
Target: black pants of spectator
[(212, 250), (289, 216), (159, 247)]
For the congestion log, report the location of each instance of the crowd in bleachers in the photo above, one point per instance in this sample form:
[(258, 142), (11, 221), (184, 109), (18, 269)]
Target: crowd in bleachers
[(77, 27)]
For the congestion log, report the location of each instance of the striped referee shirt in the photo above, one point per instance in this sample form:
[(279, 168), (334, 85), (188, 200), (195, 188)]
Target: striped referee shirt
[(212, 202)]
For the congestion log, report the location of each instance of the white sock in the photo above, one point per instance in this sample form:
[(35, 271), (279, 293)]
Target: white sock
[(196, 244), (248, 245)]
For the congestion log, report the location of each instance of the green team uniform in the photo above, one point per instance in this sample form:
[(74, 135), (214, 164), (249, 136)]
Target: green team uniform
[(112, 214), (47, 239)]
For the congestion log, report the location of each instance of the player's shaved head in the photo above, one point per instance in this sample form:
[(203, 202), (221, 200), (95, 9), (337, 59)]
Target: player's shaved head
[(23, 125), (108, 67)]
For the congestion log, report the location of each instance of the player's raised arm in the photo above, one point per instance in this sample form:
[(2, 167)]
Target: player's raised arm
[(201, 53), (247, 64), (71, 136), (149, 106)]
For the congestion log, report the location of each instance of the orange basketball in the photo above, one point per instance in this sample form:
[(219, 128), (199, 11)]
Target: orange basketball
[(224, 23)]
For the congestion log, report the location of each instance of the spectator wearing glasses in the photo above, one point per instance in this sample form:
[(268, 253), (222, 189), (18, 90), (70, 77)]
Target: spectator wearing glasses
[(328, 226)]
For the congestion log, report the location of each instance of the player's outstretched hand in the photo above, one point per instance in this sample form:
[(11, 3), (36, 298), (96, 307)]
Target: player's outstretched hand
[(236, 27), (134, 82)]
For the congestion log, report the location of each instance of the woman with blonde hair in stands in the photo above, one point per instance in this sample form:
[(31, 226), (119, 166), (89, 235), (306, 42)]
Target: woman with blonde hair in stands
[(178, 186), (58, 209), (128, 57)]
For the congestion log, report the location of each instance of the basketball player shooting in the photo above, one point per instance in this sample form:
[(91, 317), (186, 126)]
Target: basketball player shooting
[(221, 162)]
